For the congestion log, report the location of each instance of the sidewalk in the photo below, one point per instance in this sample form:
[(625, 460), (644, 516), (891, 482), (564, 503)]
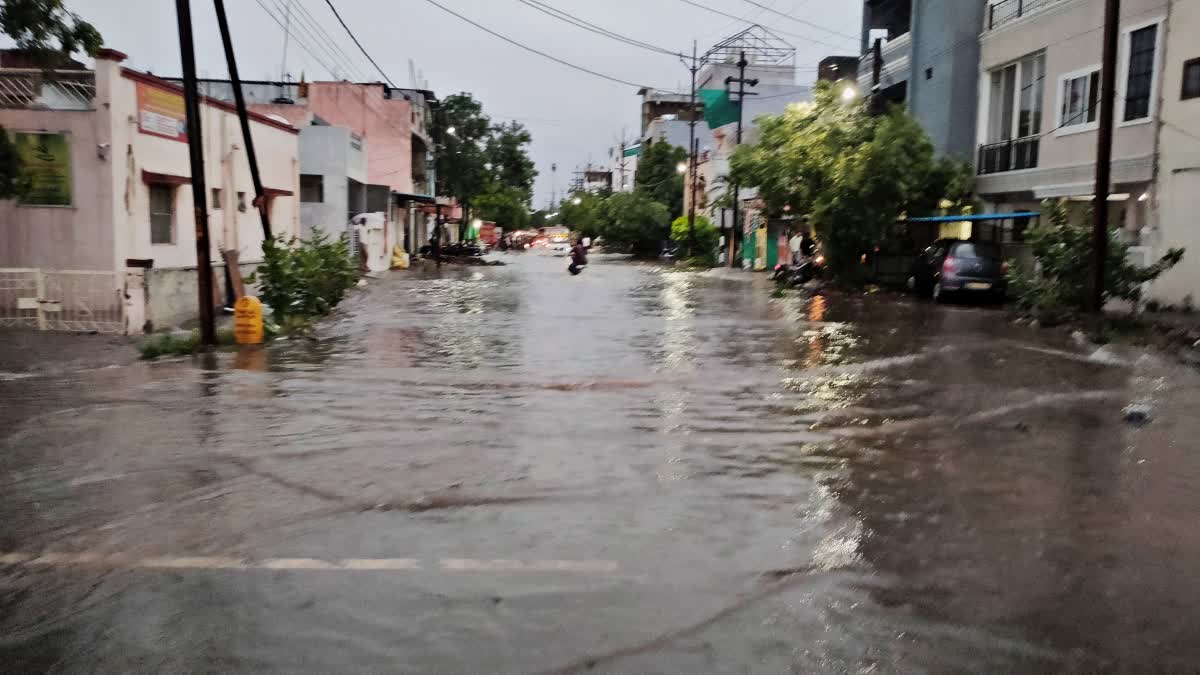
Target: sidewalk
[(25, 351)]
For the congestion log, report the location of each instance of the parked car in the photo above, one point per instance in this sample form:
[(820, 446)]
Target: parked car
[(953, 266)]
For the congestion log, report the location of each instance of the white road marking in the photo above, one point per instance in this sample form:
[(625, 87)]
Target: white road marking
[(59, 559)]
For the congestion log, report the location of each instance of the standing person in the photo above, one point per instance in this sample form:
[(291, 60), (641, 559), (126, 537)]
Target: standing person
[(578, 258), (794, 246)]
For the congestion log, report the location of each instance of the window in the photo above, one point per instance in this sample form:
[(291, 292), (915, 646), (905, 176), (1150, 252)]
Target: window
[(929, 73), (1191, 79), (1016, 99), (216, 199), (242, 202), (312, 188), (1080, 96), (1139, 88), (162, 214)]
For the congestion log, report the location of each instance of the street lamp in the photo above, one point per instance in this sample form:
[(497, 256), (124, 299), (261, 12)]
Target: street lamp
[(450, 130), (849, 93), (577, 201), (681, 168)]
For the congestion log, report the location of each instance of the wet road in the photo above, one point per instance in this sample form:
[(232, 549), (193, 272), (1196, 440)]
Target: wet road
[(507, 470)]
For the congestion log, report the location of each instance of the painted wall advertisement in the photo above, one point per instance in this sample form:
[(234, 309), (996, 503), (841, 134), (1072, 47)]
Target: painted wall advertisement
[(46, 165), (161, 112)]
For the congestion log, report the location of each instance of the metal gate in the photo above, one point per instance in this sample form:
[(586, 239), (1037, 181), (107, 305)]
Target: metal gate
[(63, 300)]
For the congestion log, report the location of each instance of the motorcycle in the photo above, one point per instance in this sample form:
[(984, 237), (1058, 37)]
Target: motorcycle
[(799, 273)]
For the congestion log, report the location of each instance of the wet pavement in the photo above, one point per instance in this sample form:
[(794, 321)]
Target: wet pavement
[(509, 470)]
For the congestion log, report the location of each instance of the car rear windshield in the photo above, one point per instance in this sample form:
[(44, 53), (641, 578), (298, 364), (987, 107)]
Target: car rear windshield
[(977, 249)]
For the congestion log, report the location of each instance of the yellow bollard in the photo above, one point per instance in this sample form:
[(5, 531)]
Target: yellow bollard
[(248, 321)]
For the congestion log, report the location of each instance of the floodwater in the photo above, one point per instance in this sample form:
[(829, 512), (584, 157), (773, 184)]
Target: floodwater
[(510, 470)]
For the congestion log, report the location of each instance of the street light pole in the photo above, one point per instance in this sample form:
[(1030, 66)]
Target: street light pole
[(692, 160), (736, 229), (191, 102)]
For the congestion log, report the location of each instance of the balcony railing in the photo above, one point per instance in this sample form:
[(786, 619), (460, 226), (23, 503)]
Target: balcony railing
[(1005, 11), (1014, 155), (47, 90)]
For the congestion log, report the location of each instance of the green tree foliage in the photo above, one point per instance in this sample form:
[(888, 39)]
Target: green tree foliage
[(47, 31), (504, 205), (707, 235), (461, 156), (538, 219), (586, 217), (635, 223), (1057, 289), (304, 278), (852, 175), (507, 151), (658, 175)]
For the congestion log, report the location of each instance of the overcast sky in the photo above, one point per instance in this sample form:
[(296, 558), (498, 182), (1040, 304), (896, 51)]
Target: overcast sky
[(572, 115)]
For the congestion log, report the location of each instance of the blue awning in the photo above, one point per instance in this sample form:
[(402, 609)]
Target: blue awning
[(974, 218)]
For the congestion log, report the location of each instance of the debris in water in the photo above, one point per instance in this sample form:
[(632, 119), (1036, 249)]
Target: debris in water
[(1138, 414)]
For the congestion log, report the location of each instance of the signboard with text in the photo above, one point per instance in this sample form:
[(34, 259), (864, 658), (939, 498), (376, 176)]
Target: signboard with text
[(45, 167), (161, 112)]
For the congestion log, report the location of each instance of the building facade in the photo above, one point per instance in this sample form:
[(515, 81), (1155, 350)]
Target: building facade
[(930, 56), (1039, 85), (106, 236), (1177, 181)]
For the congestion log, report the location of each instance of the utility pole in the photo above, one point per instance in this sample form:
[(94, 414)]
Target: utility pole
[(692, 160), (191, 102), (735, 231), (553, 186), (621, 164), (260, 198), (1112, 16)]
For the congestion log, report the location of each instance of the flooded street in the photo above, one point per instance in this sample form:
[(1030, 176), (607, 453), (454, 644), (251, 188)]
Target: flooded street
[(509, 470)]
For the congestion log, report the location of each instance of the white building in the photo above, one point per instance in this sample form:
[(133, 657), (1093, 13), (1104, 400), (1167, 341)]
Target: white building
[(1038, 113), (106, 240)]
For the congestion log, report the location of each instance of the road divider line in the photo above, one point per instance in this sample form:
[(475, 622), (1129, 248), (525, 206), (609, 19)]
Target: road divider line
[(465, 565)]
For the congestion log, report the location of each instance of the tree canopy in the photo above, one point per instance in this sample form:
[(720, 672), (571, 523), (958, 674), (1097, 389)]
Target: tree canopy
[(47, 31), (635, 223), (658, 176), (507, 151), (850, 173)]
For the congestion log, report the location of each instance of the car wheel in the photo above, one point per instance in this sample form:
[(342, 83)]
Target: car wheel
[(938, 296)]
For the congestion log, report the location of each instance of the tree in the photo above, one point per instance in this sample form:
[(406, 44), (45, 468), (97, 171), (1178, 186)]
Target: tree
[(708, 237), (462, 132), (658, 175), (507, 152), (633, 222), (851, 174), (47, 31), (506, 206), (586, 217), (1058, 288)]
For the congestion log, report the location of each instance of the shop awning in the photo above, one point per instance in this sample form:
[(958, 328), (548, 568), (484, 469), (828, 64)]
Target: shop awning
[(409, 197), (974, 218)]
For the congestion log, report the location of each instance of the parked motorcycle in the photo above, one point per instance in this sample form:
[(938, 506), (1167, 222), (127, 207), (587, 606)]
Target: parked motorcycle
[(800, 273)]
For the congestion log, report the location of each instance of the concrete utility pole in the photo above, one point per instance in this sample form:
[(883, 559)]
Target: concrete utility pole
[(1108, 86), (260, 198), (692, 160), (191, 102), (735, 231)]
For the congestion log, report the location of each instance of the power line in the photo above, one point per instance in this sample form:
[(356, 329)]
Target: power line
[(772, 10), (527, 48), (306, 17), (581, 23), (311, 39), (740, 19), (303, 45), (359, 44)]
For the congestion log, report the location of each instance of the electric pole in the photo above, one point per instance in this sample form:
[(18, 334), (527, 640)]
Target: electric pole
[(260, 198), (692, 155), (735, 231), (191, 102), (1112, 16)]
